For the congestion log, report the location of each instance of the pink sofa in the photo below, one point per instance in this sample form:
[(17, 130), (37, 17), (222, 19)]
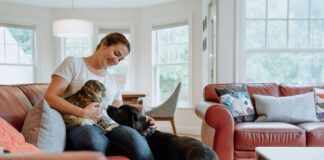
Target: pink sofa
[(15, 102), (237, 141)]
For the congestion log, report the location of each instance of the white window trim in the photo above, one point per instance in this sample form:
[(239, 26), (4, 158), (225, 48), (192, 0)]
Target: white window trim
[(33, 24), (241, 52), (165, 21)]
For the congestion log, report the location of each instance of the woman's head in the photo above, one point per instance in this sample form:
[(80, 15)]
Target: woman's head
[(114, 47), (114, 38)]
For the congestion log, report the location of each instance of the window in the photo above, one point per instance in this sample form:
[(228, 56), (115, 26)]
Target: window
[(170, 44), (122, 70), (283, 41), (76, 47), (17, 52)]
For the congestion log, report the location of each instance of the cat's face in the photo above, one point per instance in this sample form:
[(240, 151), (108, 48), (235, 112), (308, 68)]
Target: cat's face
[(94, 90)]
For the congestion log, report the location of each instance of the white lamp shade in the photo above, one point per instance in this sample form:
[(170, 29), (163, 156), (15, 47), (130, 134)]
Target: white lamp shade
[(72, 28)]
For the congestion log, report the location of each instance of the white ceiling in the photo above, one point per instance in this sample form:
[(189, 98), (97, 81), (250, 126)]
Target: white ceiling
[(89, 3)]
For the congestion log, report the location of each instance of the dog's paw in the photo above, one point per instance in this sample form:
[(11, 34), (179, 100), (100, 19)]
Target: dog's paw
[(110, 127)]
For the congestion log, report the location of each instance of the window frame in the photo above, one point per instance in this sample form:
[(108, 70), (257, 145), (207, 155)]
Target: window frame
[(242, 52), (33, 28), (169, 21)]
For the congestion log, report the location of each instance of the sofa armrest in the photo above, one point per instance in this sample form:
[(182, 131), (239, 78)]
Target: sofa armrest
[(77, 155), (219, 118), (201, 108)]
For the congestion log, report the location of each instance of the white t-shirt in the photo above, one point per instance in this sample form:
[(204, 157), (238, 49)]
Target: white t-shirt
[(75, 71)]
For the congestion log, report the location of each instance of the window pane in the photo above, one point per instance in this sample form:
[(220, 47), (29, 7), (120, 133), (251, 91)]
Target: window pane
[(285, 67), (169, 77), (277, 8), (255, 8), (298, 8), (276, 36), (24, 39), (2, 53), (173, 54), (172, 51), (163, 54), (255, 34), (2, 32), (77, 47), (12, 52), (317, 10), (317, 34), (162, 36), (22, 74), (298, 33), (183, 53)]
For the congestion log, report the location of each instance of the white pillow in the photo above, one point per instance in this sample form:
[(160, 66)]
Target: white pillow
[(291, 109), (45, 128)]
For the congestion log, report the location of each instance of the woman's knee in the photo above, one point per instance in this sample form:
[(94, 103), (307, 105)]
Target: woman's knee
[(87, 138)]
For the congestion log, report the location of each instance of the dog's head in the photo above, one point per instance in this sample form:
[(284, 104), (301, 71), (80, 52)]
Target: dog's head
[(129, 116), (94, 90)]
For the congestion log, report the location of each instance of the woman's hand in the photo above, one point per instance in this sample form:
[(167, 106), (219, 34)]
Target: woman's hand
[(151, 121), (92, 110)]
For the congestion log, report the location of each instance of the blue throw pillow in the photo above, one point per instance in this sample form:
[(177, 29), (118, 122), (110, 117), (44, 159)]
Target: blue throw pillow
[(237, 101)]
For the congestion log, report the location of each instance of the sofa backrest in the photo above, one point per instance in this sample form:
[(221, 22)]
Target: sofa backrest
[(17, 100), (270, 89)]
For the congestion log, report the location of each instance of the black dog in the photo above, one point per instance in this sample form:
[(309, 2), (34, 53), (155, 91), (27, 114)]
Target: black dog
[(165, 146)]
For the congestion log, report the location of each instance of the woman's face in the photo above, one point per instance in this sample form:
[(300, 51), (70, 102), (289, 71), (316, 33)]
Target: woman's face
[(113, 54)]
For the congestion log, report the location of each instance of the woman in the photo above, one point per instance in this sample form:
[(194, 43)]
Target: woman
[(69, 78)]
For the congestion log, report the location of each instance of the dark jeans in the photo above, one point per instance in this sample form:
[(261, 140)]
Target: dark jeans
[(121, 140)]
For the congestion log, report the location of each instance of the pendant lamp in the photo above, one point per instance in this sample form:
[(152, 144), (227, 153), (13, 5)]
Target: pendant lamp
[(72, 27)]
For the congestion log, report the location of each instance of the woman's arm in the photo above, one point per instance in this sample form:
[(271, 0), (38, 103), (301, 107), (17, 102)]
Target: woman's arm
[(53, 96)]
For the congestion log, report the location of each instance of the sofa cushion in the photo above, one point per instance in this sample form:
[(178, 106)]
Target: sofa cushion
[(291, 109), (249, 135), (314, 133), (13, 141), (237, 100), (34, 92), (14, 105), (44, 127)]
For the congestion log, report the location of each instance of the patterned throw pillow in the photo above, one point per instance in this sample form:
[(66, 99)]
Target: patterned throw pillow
[(238, 102), (319, 100)]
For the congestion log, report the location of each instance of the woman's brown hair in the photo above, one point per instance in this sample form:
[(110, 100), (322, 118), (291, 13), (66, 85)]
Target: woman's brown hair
[(114, 38)]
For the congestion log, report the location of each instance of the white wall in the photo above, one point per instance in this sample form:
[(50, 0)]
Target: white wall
[(39, 17), (226, 41)]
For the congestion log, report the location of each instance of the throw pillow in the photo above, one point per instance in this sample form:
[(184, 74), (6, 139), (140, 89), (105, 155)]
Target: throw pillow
[(291, 109), (319, 100), (238, 101), (45, 128), (13, 141)]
